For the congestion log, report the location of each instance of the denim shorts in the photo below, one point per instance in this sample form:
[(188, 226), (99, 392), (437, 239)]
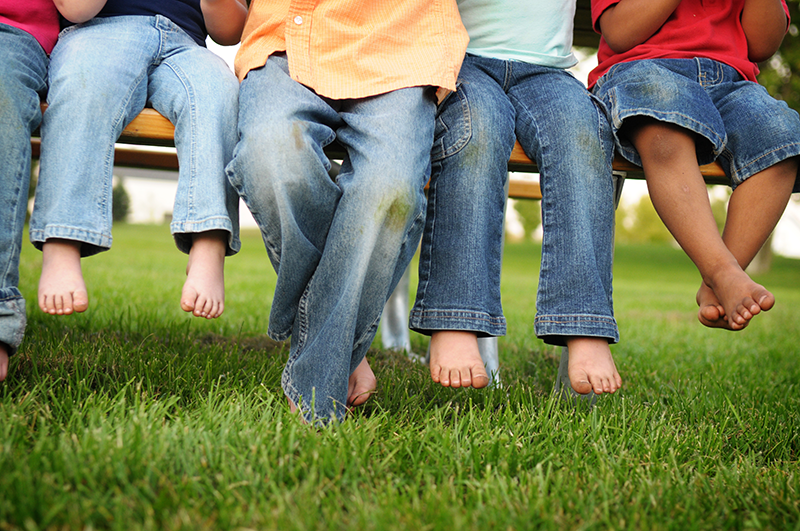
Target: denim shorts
[(737, 122)]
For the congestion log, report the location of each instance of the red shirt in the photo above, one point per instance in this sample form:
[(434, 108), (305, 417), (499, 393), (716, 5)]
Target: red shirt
[(37, 17), (697, 28)]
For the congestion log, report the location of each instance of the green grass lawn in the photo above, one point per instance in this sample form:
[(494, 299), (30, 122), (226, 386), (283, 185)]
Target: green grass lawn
[(137, 416)]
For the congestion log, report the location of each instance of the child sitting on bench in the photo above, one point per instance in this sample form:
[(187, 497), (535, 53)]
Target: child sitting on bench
[(351, 71), (514, 83), (679, 80), (119, 56)]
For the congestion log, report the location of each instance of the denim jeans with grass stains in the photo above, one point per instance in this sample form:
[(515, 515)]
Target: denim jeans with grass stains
[(340, 246)]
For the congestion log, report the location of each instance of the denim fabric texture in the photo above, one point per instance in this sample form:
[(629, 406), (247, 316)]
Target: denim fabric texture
[(565, 130), (23, 81), (102, 73), (338, 247), (744, 127)]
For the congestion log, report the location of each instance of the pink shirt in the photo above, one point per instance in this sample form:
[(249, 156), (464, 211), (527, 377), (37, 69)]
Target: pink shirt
[(37, 17), (697, 28)]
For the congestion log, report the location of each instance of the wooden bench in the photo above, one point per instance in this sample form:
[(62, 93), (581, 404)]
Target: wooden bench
[(150, 129)]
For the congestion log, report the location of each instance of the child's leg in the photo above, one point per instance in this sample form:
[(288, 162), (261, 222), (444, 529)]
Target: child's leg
[(562, 127), (198, 93), (339, 248), (458, 294), (767, 194), (680, 197), (23, 71), (61, 286), (361, 384), (204, 290), (3, 362), (761, 154), (95, 89)]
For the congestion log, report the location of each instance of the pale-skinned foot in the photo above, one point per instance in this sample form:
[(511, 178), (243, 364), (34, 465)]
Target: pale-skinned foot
[(3, 362), (203, 292), (456, 360), (62, 289), (361, 384), (740, 297), (591, 366)]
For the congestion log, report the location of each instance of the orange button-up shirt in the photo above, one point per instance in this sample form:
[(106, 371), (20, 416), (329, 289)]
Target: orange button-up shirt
[(346, 49)]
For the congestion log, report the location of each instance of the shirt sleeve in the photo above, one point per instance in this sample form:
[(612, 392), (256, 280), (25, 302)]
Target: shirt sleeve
[(599, 6)]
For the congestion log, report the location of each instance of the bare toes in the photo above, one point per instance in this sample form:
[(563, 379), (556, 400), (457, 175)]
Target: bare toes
[(580, 383), (455, 379), (481, 379), (80, 301), (436, 375), (766, 301)]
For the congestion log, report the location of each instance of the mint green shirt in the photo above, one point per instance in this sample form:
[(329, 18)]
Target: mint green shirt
[(533, 31)]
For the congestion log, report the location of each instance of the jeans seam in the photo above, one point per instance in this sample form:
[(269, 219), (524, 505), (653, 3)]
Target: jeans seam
[(15, 248), (507, 75), (736, 172), (422, 287), (192, 162), (298, 339), (109, 157), (575, 319)]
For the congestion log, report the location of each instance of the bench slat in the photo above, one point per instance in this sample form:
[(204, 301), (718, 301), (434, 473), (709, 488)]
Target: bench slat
[(149, 125), (712, 173), (150, 128)]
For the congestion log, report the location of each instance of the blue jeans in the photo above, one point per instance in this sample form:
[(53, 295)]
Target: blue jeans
[(339, 248), (565, 130), (23, 71), (102, 73)]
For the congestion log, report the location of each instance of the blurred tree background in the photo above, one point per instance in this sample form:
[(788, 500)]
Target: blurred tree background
[(779, 74)]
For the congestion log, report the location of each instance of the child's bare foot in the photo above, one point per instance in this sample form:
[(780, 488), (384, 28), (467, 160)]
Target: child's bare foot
[(456, 360), (204, 290), (591, 367), (61, 286), (3, 362), (294, 409), (361, 384), (740, 297), (711, 312)]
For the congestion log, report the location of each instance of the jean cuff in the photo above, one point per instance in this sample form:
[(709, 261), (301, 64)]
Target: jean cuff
[(429, 321), (555, 329), (12, 319)]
